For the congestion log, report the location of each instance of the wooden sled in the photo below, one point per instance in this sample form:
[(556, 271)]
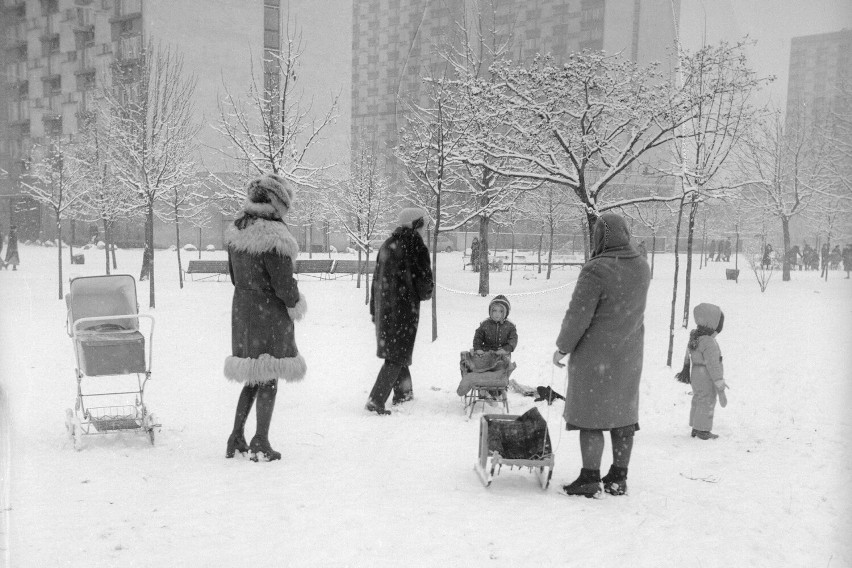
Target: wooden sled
[(491, 461)]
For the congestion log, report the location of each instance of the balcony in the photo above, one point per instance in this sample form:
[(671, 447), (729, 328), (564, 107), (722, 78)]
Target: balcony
[(126, 10)]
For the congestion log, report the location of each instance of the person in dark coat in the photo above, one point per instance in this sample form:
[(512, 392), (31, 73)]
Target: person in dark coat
[(604, 332), (847, 259), (266, 302), (474, 254), (12, 249), (726, 249), (643, 250), (402, 279)]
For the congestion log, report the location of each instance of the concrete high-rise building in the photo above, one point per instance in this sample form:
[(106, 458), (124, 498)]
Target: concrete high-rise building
[(54, 55), (393, 44), (819, 66)]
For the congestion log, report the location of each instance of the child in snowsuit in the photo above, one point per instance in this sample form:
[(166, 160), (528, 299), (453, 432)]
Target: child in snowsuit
[(707, 374), (493, 342), (496, 333)]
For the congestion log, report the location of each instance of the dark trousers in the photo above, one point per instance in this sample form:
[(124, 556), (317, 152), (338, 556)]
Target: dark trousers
[(392, 377)]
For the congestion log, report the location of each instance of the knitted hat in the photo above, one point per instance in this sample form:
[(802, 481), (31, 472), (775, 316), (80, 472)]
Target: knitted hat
[(262, 189), (409, 215), (501, 300)]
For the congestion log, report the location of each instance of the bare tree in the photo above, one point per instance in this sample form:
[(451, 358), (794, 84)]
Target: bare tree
[(655, 217), (361, 204), (150, 100), (55, 179), (720, 82), (178, 203), (273, 128), (789, 172), (550, 207)]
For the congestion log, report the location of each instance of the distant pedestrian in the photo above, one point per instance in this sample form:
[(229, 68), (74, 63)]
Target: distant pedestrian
[(766, 261), (726, 249), (474, 254), (12, 249), (642, 249), (847, 259), (823, 256), (402, 279), (711, 251)]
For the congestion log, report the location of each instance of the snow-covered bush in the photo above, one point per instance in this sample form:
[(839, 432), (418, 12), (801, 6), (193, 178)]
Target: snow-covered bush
[(101, 245), (210, 248), (189, 247)]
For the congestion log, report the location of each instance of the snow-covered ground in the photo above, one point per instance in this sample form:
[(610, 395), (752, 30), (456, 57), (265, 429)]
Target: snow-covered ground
[(355, 489)]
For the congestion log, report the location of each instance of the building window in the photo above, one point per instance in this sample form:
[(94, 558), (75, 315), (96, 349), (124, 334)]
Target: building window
[(49, 7)]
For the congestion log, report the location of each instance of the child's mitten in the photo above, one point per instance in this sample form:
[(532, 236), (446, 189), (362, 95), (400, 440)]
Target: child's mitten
[(720, 388)]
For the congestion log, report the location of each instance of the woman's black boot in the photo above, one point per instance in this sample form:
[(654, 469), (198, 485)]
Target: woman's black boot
[(237, 439), (588, 484), (615, 482), (260, 448)]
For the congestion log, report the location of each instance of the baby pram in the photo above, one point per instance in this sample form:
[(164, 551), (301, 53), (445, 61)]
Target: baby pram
[(522, 441), (484, 379), (103, 323)]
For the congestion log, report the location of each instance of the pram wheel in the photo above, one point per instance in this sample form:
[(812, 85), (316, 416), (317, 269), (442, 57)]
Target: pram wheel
[(74, 429), (149, 422)]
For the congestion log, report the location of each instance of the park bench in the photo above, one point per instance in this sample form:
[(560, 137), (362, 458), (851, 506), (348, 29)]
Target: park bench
[(529, 265), (316, 268), (351, 267), (212, 268)]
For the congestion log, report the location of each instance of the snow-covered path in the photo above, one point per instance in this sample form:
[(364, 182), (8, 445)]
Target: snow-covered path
[(355, 489)]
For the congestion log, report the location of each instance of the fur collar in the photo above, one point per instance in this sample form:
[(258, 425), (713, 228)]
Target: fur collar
[(263, 236)]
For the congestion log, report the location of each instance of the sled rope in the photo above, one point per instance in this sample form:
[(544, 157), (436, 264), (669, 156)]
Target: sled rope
[(517, 294)]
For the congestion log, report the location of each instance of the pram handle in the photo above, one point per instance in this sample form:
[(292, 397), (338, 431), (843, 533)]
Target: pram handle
[(75, 331)]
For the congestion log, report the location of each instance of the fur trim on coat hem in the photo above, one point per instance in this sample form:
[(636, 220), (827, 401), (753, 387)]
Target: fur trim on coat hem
[(265, 368), (299, 311)]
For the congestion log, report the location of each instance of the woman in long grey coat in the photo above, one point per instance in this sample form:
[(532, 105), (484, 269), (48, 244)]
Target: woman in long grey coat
[(603, 332), (402, 280), (266, 302)]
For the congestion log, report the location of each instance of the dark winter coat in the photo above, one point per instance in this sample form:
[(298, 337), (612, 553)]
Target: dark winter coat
[(603, 330), (403, 279), (847, 258), (12, 249), (266, 302), (491, 336)]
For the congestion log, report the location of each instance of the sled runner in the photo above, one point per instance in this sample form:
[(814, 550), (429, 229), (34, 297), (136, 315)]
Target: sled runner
[(522, 441), (484, 379), (110, 347)]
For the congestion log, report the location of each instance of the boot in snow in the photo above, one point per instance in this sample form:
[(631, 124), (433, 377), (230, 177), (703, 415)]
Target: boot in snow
[(237, 439), (588, 484), (615, 482), (260, 447), (704, 435), (379, 409)]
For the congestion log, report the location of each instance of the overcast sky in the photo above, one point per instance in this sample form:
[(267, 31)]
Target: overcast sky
[(771, 22)]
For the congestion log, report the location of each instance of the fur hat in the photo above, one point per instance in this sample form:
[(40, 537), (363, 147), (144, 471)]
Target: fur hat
[(262, 189), (501, 300), (409, 215)]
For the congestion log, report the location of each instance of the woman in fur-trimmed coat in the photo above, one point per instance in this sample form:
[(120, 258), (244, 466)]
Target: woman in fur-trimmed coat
[(266, 302)]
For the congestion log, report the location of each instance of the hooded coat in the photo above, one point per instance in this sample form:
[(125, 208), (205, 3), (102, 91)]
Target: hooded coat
[(402, 279), (492, 335), (266, 302), (603, 331), (706, 368)]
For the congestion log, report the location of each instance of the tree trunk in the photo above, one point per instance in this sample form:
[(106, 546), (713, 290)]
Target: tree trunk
[(512, 264), (177, 242), (686, 287), (653, 251), (358, 276), (591, 219), (199, 243), (674, 286), (484, 256), (586, 241), (785, 230), (703, 262), (311, 245), (148, 255), (106, 246), (71, 242), (540, 246), (59, 250), (550, 253)]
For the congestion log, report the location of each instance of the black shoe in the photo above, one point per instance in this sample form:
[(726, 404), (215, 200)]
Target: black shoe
[(704, 434), (587, 485), (261, 450), (401, 399), (236, 443), (615, 482), (377, 408)]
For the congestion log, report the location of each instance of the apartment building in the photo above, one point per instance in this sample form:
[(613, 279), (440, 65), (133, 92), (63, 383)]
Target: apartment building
[(394, 43), (55, 54), (819, 65)]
